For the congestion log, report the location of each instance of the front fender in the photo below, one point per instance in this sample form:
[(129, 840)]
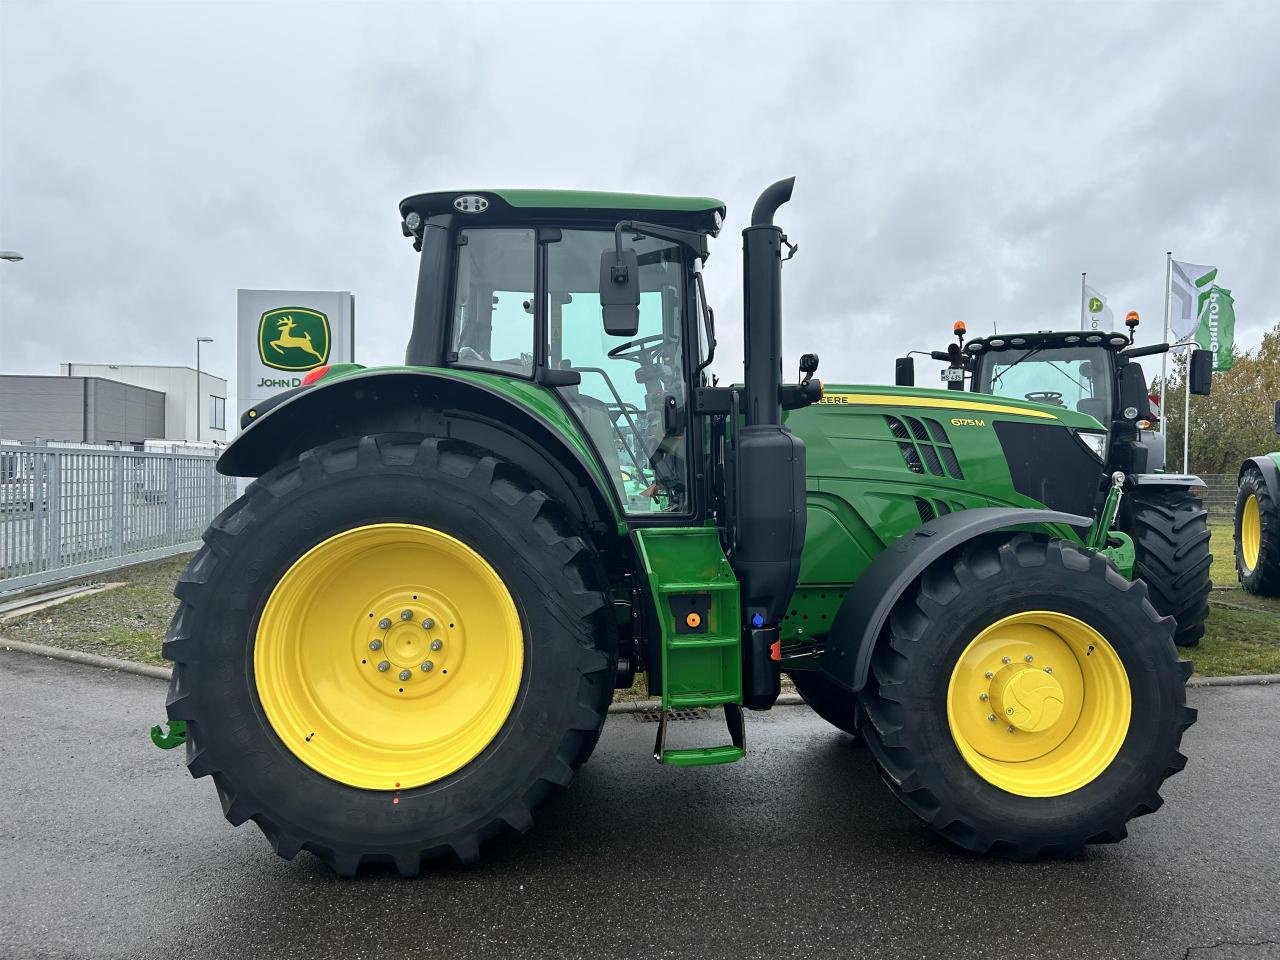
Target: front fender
[(856, 627), (515, 419), (1266, 465)]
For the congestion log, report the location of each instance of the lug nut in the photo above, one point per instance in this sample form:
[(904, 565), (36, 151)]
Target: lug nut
[(406, 614), (406, 674), (428, 623), (991, 717), (383, 666), (426, 666), (1028, 658), (983, 697), (1011, 728), (437, 644), (988, 674), (1048, 669), (375, 644), (384, 624), (1004, 660)]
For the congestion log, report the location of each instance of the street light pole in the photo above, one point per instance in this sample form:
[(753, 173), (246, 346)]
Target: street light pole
[(199, 384)]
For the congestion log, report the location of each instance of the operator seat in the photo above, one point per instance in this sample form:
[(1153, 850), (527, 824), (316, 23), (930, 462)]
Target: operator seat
[(1094, 407)]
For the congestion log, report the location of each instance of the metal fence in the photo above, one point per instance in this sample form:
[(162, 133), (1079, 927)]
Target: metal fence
[(68, 511), (1220, 497)]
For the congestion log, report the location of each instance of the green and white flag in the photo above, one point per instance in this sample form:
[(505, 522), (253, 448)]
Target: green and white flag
[(1217, 328), (1095, 315), (1188, 290)]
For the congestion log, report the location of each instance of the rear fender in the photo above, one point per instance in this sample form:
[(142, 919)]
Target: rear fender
[(537, 435), (858, 623)]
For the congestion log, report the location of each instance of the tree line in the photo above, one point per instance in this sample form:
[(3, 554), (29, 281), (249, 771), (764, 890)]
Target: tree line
[(1235, 421)]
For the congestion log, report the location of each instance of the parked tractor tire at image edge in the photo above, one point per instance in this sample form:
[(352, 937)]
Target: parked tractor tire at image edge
[(1170, 532), (1257, 535), (391, 648), (1028, 699)]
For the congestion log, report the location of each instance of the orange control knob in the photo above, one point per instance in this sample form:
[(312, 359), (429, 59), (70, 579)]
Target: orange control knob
[(693, 620)]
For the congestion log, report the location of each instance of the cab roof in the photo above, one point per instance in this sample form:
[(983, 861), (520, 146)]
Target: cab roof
[(702, 214)]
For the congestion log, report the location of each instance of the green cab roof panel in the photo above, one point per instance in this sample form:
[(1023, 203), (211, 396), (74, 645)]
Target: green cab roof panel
[(704, 214)]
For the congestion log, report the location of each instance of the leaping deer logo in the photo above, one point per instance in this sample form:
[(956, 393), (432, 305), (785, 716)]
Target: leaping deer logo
[(286, 339)]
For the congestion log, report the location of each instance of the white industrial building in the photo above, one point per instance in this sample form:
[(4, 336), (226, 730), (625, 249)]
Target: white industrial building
[(191, 411)]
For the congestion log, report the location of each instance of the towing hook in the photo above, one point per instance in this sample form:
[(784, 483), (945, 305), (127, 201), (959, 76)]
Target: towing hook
[(176, 736)]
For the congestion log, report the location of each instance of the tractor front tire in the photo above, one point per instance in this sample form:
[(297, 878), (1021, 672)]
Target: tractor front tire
[(824, 697), (1026, 700), (1170, 532), (1257, 535), (391, 648)]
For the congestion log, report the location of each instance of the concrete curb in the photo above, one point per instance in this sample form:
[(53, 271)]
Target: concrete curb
[(625, 706), (1257, 680), (88, 659)]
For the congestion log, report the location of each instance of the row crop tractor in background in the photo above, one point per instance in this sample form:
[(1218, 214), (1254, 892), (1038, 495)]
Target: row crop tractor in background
[(1161, 522), (407, 632), (1257, 521)]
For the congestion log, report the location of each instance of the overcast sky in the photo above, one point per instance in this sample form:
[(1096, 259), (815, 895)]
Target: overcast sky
[(952, 160)]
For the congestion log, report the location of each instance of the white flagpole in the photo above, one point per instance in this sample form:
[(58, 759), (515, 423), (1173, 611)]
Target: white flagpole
[(1082, 303), (1186, 410), (1164, 357)]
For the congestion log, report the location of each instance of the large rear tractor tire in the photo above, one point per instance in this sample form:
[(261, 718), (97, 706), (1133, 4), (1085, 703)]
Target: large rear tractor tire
[(390, 649), (1027, 699), (832, 703), (1257, 535), (1170, 532)]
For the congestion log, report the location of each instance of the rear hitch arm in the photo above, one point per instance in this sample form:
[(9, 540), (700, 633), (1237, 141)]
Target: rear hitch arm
[(175, 737)]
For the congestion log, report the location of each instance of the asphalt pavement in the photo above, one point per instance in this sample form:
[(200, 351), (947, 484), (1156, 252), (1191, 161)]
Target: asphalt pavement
[(109, 849)]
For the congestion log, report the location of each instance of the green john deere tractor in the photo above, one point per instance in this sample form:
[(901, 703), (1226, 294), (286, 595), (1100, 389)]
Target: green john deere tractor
[(1257, 521), (407, 632), (1096, 373)]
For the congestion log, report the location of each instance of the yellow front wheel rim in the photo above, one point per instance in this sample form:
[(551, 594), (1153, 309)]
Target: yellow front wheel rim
[(1250, 532), (388, 656), (1039, 704)]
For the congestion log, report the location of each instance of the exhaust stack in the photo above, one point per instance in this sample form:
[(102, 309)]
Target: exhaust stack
[(769, 461), (762, 306)]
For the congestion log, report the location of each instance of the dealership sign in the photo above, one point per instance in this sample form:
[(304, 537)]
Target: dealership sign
[(281, 334)]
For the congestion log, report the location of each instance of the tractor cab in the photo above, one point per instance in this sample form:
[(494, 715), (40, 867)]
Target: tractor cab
[(522, 298)]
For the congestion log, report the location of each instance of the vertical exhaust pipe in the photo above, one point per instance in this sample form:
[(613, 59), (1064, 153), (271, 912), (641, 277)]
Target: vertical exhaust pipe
[(762, 306), (769, 462)]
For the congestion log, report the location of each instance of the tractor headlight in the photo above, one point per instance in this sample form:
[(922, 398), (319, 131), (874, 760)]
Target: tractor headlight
[(1095, 441)]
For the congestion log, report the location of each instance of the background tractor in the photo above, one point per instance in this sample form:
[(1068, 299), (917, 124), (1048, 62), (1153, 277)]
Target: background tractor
[(1096, 373), (406, 633), (1257, 521)]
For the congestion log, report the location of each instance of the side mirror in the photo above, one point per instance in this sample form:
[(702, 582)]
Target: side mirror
[(1135, 402), (620, 292), (1201, 374), (1275, 417), (904, 372)]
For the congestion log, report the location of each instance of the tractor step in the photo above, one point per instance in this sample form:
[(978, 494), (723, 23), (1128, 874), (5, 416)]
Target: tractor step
[(704, 756), (701, 634)]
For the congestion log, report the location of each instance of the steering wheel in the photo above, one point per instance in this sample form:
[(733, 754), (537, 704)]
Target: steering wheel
[(1052, 397), (636, 349)]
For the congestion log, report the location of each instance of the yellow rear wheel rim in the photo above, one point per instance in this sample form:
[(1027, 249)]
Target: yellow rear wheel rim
[(1039, 704), (1250, 532), (388, 656)]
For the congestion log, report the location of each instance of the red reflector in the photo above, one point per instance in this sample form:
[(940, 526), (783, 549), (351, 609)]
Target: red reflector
[(775, 650), (315, 375)]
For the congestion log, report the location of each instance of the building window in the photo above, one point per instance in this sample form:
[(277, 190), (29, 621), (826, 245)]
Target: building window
[(218, 415)]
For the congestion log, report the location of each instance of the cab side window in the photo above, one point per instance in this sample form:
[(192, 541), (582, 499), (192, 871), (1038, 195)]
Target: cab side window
[(493, 301)]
